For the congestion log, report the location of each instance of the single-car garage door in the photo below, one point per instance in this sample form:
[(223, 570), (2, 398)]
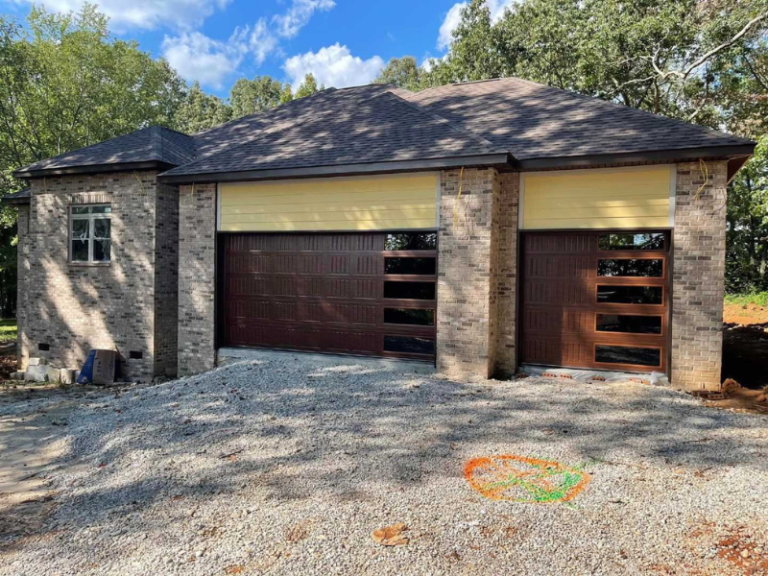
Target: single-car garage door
[(353, 293), (596, 300)]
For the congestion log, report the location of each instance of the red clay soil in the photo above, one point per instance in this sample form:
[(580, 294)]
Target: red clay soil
[(745, 345)]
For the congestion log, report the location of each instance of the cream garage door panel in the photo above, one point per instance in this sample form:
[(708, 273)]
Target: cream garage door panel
[(366, 203), (613, 198)]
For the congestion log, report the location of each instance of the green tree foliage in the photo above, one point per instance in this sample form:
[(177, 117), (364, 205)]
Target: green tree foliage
[(308, 87), (401, 72), (702, 61), (66, 83), (747, 256), (201, 111), (257, 95)]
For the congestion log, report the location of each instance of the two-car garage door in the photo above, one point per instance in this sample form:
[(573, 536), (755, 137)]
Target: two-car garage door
[(354, 293)]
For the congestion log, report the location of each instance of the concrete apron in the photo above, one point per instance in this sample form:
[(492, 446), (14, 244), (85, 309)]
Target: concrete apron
[(229, 355), (585, 375)]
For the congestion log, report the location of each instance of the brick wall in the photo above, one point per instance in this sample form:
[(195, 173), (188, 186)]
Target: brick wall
[(698, 282), (505, 276), (197, 259), (477, 274), (74, 307), (167, 280)]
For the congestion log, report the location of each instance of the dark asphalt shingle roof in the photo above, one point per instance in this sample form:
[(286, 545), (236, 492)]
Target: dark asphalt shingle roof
[(535, 121), (152, 144), (335, 127), (20, 197), (377, 123)]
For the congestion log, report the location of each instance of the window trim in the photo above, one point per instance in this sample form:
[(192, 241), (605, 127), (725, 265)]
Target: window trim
[(90, 217)]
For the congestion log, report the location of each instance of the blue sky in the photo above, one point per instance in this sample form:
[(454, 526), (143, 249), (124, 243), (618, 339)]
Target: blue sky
[(342, 42)]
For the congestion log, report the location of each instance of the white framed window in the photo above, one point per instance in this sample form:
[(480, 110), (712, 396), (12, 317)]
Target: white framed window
[(90, 234)]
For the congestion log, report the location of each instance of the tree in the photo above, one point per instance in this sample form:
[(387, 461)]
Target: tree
[(401, 72), (308, 87), (702, 61), (250, 96), (65, 83), (201, 111), (747, 255)]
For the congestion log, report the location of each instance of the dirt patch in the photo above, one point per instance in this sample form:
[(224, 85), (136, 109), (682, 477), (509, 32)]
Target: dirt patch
[(744, 400), (745, 345), (741, 550)]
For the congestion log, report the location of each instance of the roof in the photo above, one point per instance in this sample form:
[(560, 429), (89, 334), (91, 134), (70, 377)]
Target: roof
[(335, 127), (533, 121), (508, 123), (20, 197), (153, 145)]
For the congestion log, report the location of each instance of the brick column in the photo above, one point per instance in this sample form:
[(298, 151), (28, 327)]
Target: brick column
[(698, 283), (197, 257), (466, 303), (505, 276)]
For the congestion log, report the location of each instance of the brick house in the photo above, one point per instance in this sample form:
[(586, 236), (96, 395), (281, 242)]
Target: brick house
[(481, 226)]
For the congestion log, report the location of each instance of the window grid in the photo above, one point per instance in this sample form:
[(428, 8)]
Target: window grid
[(83, 228)]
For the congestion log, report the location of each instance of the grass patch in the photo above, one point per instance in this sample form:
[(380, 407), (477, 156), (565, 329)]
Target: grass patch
[(8, 330), (758, 298)]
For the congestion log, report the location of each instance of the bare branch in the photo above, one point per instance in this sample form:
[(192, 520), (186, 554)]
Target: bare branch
[(684, 74)]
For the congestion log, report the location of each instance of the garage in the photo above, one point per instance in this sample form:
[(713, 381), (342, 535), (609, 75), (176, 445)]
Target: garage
[(596, 300), (347, 293)]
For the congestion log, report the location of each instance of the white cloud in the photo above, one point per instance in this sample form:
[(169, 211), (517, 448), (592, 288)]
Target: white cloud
[(197, 57), (453, 19), (209, 61), (298, 16), (333, 66), (143, 14)]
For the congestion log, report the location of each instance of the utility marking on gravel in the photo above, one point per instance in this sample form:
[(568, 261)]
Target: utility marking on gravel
[(523, 479)]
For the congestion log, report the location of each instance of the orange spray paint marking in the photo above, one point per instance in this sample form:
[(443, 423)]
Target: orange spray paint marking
[(522, 479)]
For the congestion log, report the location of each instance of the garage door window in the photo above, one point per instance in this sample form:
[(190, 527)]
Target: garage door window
[(651, 295), (409, 266), (648, 241), (411, 241), (409, 345), (411, 316), (648, 268), (633, 356), (410, 290), (629, 324)]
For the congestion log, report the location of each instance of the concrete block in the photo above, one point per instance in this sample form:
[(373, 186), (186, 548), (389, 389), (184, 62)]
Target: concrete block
[(38, 361), (36, 373), (67, 376), (52, 374), (17, 375)]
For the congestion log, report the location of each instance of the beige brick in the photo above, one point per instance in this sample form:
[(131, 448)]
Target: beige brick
[(698, 282)]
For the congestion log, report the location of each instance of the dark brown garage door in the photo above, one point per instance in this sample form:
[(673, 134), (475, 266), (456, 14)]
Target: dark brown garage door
[(371, 294), (596, 300)]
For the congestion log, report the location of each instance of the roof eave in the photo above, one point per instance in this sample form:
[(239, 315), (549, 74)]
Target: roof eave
[(94, 169), (22, 201), (673, 155), (500, 161)]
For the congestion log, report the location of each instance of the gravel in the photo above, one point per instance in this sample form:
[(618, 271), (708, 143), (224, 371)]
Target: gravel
[(287, 464)]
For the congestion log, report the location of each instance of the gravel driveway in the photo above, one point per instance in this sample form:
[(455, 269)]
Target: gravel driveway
[(286, 465)]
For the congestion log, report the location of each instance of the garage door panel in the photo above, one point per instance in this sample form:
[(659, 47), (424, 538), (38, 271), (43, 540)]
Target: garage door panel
[(323, 292), (561, 304)]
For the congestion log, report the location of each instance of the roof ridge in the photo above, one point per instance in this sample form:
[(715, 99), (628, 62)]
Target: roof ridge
[(597, 101), (262, 112), (443, 120)]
